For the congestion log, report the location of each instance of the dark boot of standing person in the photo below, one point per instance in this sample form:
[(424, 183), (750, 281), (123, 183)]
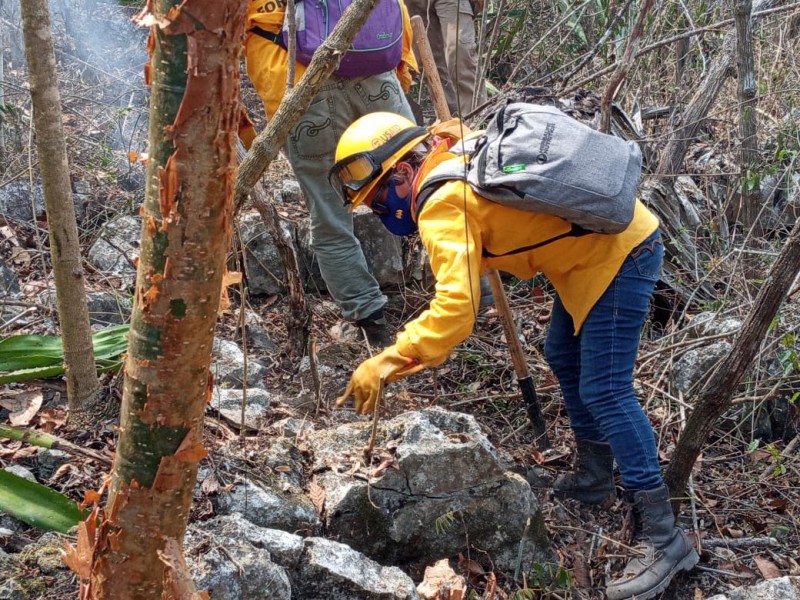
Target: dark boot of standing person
[(661, 549), (592, 480), (375, 329)]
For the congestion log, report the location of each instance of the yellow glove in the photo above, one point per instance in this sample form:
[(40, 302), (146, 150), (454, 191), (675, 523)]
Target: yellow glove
[(365, 382)]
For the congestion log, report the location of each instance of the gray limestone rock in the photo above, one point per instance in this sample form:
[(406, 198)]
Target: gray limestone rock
[(442, 484), (116, 247), (228, 366), (781, 588), (291, 192), (108, 308), (695, 365), (266, 507), (279, 565), (335, 571), (228, 402), (21, 471), (105, 308), (226, 561), (49, 460), (265, 273), (15, 201), (709, 324)]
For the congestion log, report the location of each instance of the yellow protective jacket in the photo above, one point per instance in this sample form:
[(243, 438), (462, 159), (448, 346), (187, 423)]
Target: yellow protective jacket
[(456, 226), (267, 62)]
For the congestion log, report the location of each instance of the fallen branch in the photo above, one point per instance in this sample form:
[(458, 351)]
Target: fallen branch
[(748, 542), (51, 442)]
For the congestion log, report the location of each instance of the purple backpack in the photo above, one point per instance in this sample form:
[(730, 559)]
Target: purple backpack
[(377, 48)]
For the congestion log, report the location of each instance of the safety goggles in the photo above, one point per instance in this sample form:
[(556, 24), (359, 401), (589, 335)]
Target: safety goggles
[(356, 171)]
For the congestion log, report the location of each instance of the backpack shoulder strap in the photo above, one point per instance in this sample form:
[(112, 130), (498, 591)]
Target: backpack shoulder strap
[(276, 38), (448, 170)]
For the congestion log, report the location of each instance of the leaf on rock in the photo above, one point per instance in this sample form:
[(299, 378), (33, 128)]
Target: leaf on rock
[(581, 571), (317, 495)]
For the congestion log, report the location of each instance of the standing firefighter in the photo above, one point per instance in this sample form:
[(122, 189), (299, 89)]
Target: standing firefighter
[(603, 282), (369, 81)]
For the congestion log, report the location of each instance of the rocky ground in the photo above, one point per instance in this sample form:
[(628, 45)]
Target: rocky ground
[(259, 518)]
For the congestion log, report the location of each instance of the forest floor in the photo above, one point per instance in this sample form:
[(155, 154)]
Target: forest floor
[(743, 512), (745, 489)]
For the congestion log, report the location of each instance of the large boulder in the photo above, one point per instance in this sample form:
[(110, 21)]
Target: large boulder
[(696, 364), (264, 267), (16, 203), (263, 563), (440, 487)]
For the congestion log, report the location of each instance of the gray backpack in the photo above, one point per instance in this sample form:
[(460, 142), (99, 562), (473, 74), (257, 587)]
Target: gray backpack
[(539, 159)]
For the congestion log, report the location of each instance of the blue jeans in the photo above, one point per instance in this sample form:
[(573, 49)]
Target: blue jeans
[(310, 149), (595, 368)]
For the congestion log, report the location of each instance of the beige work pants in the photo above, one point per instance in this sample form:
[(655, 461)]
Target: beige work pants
[(451, 34)]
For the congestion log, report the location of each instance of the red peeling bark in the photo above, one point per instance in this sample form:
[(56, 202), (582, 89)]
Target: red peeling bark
[(194, 75)]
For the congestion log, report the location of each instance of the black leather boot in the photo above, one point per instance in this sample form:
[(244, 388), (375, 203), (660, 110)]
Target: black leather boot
[(661, 548), (375, 330), (592, 481)]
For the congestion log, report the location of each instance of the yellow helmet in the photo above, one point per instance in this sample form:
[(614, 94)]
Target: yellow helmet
[(368, 149)]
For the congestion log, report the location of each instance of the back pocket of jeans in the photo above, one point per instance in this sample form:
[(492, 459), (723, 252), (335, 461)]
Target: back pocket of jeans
[(648, 260), (314, 137)]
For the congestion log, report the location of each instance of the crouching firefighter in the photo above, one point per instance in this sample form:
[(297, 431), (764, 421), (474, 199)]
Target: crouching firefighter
[(603, 283)]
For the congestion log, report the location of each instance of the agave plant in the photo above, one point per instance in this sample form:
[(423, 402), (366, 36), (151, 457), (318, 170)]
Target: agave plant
[(26, 357), (38, 505)]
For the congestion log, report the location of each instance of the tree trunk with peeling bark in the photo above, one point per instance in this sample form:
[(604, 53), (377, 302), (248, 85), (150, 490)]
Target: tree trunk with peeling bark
[(194, 112), (73, 314)]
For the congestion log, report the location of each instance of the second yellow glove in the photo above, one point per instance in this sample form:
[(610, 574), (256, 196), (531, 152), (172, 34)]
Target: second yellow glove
[(365, 381)]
